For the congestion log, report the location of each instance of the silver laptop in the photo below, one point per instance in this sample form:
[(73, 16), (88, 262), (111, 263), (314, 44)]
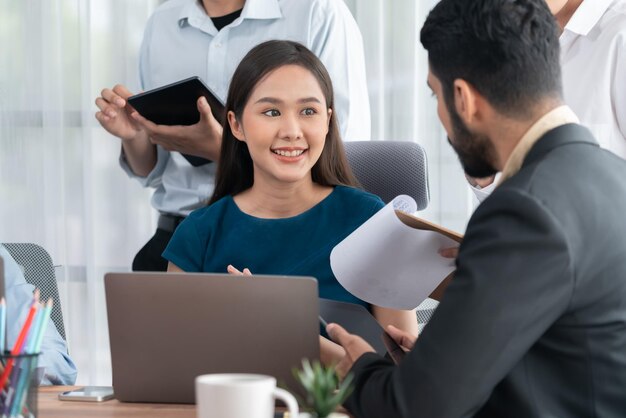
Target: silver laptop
[(167, 328)]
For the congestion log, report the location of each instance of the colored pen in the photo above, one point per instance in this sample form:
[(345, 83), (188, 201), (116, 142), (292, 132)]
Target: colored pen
[(3, 324), (21, 379), (7, 402), (44, 326), (32, 313), (20, 339), (34, 329)]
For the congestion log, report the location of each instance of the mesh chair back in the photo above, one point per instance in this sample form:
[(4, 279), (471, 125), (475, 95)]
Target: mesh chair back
[(391, 168), (39, 271)]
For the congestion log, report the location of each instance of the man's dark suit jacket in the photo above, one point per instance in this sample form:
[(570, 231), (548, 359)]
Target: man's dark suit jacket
[(534, 322)]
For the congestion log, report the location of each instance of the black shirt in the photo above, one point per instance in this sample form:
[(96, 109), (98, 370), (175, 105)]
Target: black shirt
[(222, 21)]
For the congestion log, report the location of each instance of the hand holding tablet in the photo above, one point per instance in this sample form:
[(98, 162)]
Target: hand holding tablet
[(169, 109)]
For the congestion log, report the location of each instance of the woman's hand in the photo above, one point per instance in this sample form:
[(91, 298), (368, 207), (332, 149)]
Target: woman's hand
[(232, 270)]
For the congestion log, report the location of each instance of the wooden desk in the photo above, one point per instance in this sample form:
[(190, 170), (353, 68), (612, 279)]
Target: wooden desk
[(51, 407)]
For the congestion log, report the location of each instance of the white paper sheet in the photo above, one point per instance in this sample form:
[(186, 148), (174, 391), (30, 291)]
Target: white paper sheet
[(388, 263)]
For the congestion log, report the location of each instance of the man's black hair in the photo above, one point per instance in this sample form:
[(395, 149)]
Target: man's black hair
[(507, 49)]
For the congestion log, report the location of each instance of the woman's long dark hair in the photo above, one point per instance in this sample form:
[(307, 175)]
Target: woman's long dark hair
[(235, 171)]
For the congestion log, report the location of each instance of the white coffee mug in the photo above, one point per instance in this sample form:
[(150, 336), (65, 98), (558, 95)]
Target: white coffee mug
[(240, 395)]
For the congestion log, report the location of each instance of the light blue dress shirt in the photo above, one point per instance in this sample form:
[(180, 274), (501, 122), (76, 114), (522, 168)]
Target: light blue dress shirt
[(58, 368), (181, 41)]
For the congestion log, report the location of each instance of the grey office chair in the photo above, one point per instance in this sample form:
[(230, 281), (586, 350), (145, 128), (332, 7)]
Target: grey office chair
[(391, 168), (39, 271), (388, 169)]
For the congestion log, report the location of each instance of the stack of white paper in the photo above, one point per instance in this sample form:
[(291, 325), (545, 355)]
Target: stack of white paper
[(392, 260)]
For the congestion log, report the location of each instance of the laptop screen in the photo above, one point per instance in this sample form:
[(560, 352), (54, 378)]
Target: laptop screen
[(167, 328)]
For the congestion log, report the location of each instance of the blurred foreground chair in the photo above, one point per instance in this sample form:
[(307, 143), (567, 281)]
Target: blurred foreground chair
[(38, 270), (388, 169)]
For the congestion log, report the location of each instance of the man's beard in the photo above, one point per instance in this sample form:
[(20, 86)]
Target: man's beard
[(476, 152)]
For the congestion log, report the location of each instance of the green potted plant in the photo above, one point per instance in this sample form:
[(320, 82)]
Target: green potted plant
[(324, 392)]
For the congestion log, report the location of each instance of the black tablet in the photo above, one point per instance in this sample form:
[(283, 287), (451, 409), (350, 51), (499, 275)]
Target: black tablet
[(175, 104)]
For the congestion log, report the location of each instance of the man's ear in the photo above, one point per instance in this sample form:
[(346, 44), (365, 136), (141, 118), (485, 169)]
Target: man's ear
[(235, 126), (465, 101)]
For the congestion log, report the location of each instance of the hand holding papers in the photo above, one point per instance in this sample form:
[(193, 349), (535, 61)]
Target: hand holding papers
[(392, 260)]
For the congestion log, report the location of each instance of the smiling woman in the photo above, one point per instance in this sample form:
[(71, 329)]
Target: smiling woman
[(281, 94), (285, 195)]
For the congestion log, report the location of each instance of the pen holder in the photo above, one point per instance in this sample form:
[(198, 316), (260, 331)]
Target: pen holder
[(18, 398)]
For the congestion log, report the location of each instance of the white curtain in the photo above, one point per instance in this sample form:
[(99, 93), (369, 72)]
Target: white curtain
[(402, 105), (60, 183)]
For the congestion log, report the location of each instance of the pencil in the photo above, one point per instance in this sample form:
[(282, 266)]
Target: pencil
[(21, 339), (22, 377), (323, 321), (3, 324), (34, 329), (44, 326)]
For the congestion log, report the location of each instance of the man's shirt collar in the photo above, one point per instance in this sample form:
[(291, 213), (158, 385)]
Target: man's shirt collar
[(556, 117), (195, 15), (587, 16)]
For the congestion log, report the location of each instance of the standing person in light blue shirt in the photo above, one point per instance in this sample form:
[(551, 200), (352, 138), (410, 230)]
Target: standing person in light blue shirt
[(58, 368), (209, 38)]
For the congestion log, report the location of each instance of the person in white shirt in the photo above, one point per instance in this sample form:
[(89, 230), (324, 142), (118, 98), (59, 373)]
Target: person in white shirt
[(593, 61), (208, 38), (593, 65)]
